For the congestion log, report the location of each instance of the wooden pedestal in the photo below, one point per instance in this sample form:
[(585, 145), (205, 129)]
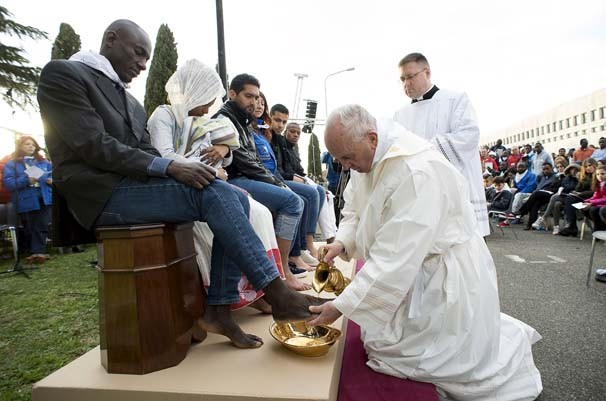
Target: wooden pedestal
[(150, 296)]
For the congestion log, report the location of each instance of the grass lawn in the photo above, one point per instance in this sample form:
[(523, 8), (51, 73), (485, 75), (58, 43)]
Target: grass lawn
[(45, 321)]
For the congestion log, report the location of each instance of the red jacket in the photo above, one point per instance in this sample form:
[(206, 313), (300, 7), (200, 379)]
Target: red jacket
[(490, 162), (513, 160), (599, 196)]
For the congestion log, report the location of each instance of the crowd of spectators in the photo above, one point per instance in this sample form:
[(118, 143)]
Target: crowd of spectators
[(530, 186)]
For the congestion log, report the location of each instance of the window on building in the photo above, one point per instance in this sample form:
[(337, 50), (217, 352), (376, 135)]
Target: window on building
[(576, 133), (593, 129), (561, 137), (602, 112), (592, 115), (583, 118), (575, 120), (561, 125), (548, 139), (542, 130), (568, 122), (548, 128), (602, 127), (553, 126)]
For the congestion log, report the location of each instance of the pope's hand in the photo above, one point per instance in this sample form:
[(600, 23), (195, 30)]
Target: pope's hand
[(332, 251), (326, 313)]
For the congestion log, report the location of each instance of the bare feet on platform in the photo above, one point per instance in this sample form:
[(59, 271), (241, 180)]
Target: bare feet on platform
[(217, 319), (261, 305), (296, 284), (288, 305), (300, 263)]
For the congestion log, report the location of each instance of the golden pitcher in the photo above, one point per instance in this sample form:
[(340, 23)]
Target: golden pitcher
[(329, 279)]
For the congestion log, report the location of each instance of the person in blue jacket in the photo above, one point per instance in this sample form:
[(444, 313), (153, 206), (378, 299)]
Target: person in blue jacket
[(526, 182), (28, 177)]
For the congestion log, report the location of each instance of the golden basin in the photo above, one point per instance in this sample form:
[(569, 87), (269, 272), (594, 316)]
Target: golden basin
[(303, 339)]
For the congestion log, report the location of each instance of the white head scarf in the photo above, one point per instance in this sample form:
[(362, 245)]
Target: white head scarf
[(194, 84)]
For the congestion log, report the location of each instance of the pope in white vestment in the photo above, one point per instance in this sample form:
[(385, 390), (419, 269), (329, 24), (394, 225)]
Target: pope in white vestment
[(427, 298), (448, 121)]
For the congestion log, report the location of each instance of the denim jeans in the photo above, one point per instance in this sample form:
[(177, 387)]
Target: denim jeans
[(284, 204), (313, 199), (236, 247), (35, 224)]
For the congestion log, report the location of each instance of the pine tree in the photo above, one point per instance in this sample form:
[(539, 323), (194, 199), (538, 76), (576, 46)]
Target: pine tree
[(163, 65), (16, 77), (314, 163), (66, 44)]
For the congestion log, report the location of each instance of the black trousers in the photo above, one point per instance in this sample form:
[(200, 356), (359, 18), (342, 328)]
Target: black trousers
[(534, 204)]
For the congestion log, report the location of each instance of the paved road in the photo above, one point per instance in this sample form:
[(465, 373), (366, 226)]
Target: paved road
[(542, 282)]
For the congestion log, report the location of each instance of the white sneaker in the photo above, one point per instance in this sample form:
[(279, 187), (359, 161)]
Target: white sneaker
[(556, 230), (310, 260), (538, 224)]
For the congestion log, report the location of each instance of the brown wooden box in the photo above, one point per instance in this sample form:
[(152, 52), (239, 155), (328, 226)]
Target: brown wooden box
[(150, 296)]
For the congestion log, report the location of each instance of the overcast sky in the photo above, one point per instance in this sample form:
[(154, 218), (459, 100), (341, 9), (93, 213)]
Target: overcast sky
[(513, 58)]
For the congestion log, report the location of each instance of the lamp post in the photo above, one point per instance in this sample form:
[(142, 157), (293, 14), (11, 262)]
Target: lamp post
[(325, 92), (300, 78)]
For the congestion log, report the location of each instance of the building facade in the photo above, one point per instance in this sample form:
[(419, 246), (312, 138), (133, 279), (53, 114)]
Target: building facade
[(561, 127)]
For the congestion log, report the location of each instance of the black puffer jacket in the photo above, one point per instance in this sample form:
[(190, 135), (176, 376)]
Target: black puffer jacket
[(246, 162), (287, 157)]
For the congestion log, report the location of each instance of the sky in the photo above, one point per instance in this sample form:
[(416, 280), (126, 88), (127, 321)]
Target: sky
[(514, 59)]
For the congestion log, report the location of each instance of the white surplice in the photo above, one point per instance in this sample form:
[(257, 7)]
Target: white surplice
[(427, 298), (448, 120)]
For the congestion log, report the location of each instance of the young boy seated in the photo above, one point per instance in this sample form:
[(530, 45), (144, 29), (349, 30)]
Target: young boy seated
[(498, 198)]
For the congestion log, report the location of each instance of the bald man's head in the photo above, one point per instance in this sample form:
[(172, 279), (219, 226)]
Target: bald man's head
[(127, 47)]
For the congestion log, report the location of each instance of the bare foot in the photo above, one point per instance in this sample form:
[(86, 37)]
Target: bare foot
[(199, 334), (288, 305), (261, 305), (298, 261), (295, 284), (217, 319)]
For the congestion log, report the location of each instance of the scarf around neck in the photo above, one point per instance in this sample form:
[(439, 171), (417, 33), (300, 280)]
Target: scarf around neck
[(519, 176), (100, 63)]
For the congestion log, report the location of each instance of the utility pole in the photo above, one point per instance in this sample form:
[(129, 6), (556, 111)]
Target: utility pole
[(221, 46), (298, 90)]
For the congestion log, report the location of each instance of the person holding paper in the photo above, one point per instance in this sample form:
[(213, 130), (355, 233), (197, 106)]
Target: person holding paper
[(28, 177)]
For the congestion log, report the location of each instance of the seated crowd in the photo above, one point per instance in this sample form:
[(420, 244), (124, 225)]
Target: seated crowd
[(545, 191)]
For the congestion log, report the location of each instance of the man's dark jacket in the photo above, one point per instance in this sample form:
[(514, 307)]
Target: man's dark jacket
[(95, 133), (246, 162)]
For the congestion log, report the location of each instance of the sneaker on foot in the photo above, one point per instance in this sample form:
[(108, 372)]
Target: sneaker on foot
[(298, 273), (538, 224), (503, 224), (310, 260), (556, 230)]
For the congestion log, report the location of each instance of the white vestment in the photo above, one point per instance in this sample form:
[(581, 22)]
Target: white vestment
[(427, 298), (448, 121)]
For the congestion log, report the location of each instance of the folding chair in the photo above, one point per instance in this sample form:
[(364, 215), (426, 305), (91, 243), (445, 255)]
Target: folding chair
[(597, 236), (8, 227), (505, 215)]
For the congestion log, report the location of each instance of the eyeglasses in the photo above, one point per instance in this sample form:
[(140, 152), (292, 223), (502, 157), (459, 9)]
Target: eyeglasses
[(411, 77)]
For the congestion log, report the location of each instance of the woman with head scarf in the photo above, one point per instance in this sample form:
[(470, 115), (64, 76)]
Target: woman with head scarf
[(28, 177), (180, 131)]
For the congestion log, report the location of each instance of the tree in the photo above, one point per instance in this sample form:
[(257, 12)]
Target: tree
[(18, 78), (314, 163), (163, 65), (66, 44)]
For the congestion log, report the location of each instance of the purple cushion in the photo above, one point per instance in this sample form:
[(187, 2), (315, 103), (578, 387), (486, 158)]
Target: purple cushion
[(361, 383)]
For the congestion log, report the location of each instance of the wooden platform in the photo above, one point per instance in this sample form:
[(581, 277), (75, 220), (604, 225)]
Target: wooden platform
[(213, 370)]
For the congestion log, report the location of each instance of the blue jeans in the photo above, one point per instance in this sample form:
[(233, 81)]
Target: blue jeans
[(35, 225), (236, 247), (313, 199), (284, 204)]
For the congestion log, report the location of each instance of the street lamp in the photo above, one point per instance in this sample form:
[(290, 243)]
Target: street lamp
[(325, 79)]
